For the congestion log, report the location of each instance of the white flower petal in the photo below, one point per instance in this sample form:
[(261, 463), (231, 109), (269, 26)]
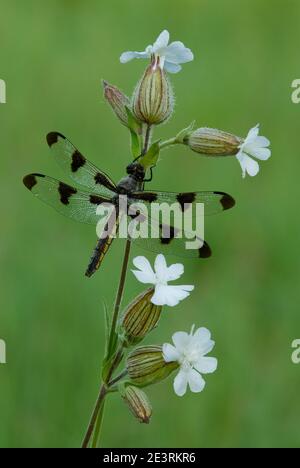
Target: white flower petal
[(180, 383), (172, 67), (178, 53), (181, 340), (248, 164), (162, 41), (258, 152), (160, 268), (169, 295), (174, 272), (202, 335), (161, 296), (262, 142), (170, 353), (146, 275), (201, 341), (196, 382), (252, 134), (206, 365), (128, 56), (176, 294), (207, 347)]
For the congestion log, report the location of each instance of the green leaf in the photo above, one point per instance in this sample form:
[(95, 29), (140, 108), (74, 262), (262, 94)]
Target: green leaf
[(107, 327), (135, 130), (151, 157)]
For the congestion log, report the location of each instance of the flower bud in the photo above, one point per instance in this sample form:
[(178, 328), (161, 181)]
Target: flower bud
[(138, 403), (153, 101), (213, 142), (146, 366), (140, 317), (117, 101)]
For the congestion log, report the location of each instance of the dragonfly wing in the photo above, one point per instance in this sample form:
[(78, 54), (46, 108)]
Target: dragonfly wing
[(214, 202), (77, 167), (67, 200)]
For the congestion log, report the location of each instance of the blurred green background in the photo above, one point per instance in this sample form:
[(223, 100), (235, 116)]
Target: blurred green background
[(53, 55)]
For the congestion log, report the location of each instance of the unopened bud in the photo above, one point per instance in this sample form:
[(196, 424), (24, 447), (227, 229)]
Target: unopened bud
[(138, 403), (140, 317), (213, 142), (117, 101), (146, 366), (153, 101)]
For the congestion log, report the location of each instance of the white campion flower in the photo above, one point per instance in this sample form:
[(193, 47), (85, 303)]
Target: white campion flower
[(171, 55), (254, 146), (159, 277), (190, 351)]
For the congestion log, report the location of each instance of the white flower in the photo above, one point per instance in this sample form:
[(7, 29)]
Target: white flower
[(162, 274), (170, 55), (189, 351), (254, 146)]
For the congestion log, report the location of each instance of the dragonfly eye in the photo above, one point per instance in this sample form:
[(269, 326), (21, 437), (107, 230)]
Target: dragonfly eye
[(137, 170)]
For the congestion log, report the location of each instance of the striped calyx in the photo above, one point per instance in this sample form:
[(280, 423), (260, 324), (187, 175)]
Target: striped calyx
[(153, 101), (138, 403), (140, 317), (117, 101), (213, 142), (146, 366)]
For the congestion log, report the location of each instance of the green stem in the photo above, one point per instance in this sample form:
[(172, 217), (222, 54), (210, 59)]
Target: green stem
[(90, 429), (97, 431), (147, 140), (119, 293), (117, 379), (167, 143)]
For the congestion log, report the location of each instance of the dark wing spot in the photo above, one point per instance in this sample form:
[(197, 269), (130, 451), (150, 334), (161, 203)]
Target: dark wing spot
[(145, 196), (77, 161), (96, 200), (101, 179), (205, 251), (226, 201), (168, 233), (66, 191), (185, 199), (30, 180), (53, 137)]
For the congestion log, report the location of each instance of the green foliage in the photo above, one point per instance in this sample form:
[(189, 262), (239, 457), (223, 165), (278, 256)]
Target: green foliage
[(50, 315)]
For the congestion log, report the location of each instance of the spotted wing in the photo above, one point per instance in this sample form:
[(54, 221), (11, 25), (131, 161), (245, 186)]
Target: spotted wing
[(77, 205), (172, 237), (214, 202), (77, 167)]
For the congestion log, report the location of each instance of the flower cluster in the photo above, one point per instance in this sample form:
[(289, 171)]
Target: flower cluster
[(189, 350), (152, 103)]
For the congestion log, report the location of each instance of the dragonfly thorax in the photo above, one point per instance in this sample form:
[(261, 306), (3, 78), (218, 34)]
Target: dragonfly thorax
[(132, 182)]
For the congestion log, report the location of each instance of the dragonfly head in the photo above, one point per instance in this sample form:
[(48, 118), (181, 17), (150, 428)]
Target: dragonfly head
[(136, 170)]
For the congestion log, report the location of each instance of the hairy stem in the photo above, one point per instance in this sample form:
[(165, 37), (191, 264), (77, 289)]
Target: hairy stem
[(99, 404), (98, 427), (167, 143), (147, 140), (120, 293)]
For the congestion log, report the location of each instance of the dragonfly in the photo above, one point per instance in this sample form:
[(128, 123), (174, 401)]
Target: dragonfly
[(95, 188)]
